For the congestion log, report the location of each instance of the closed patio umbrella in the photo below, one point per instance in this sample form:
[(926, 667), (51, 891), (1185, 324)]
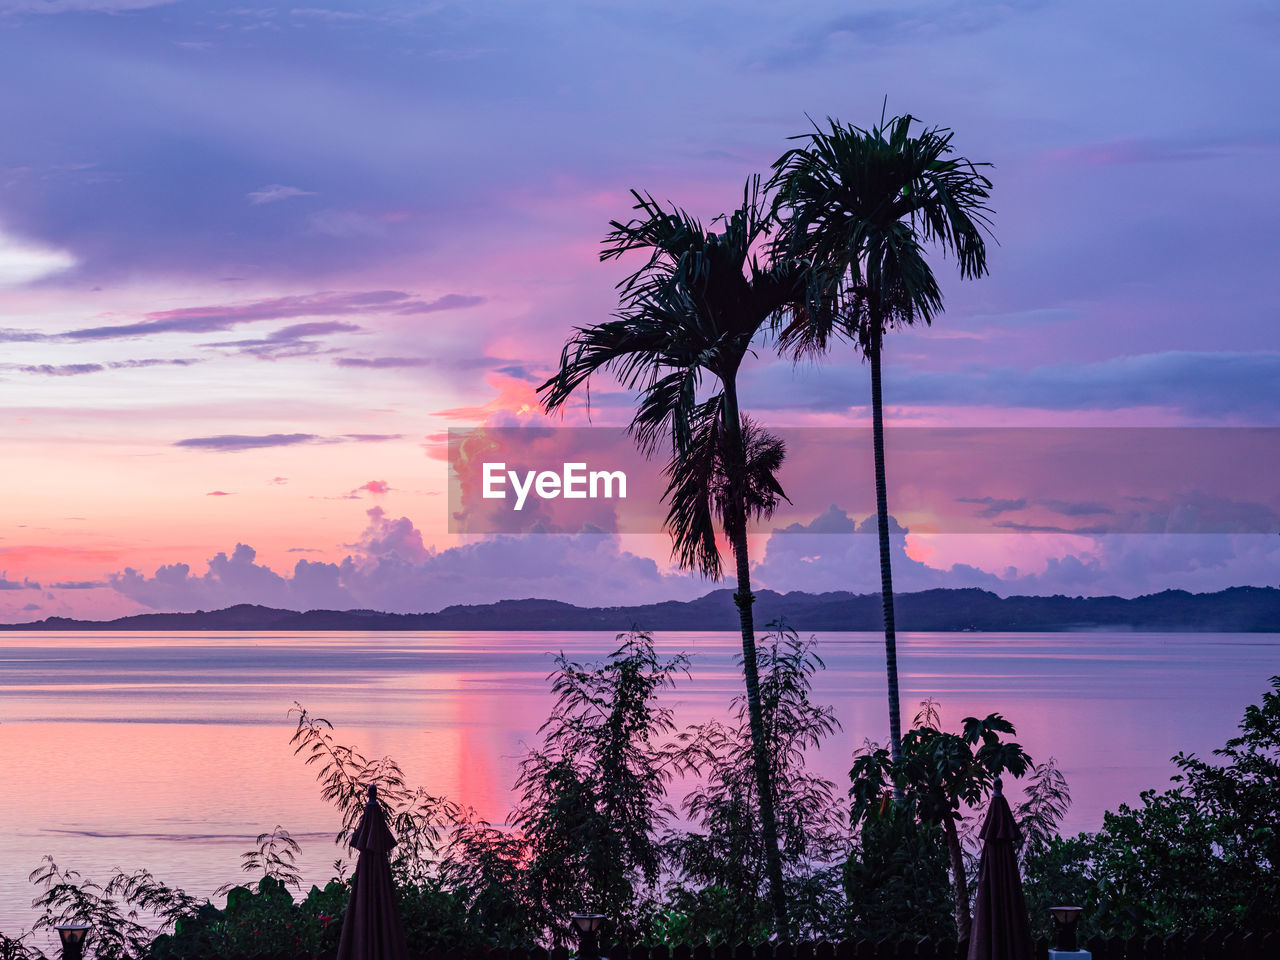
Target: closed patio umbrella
[(1000, 928), (371, 928)]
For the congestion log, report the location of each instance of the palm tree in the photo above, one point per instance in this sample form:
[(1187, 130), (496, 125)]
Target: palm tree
[(940, 774), (859, 207), (692, 310)]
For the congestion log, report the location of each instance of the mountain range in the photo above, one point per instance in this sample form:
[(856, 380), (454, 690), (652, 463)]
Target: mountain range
[(1237, 609)]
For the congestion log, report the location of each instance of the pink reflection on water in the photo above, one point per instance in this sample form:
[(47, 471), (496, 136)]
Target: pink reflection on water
[(172, 752)]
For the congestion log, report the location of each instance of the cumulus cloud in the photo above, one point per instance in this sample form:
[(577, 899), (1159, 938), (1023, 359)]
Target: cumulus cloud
[(237, 578), (835, 552), (814, 557), (390, 568), (274, 192)]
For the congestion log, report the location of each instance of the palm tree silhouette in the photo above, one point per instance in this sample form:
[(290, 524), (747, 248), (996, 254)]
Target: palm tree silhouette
[(693, 310), (859, 207)]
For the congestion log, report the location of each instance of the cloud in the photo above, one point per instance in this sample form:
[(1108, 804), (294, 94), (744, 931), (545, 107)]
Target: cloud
[(22, 262), (1125, 152), (385, 363), (891, 27), (226, 442), (274, 192), (375, 487), (390, 568), (218, 493), (448, 363), (78, 584), (228, 580), (219, 317), (294, 340), (808, 557), (77, 6), (1198, 383), (1069, 508), (77, 369), (234, 441), (993, 507), (23, 584), (63, 370), (9, 335)]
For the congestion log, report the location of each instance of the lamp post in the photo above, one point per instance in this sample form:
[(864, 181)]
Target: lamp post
[(72, 936), (1066, 919), (588, 925)]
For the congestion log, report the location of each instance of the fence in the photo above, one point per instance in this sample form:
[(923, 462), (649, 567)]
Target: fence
[(1207, 946)]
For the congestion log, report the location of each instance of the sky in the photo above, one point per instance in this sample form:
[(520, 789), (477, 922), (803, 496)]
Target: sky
[(256, 262)]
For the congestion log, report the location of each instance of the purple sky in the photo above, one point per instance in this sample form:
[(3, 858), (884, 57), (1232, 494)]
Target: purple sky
[(255, 261)]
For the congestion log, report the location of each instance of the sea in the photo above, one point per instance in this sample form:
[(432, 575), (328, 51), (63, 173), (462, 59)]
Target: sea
[(171, 751)]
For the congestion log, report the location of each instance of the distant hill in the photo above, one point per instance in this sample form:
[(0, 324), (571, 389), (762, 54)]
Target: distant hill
[(1238, 609)]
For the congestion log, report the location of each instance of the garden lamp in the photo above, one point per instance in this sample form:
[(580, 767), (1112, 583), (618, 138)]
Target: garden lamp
[(588, 925), (1066, 918), (72, 936)]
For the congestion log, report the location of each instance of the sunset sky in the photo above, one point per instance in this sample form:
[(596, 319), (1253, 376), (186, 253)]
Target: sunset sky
[(256, 262)]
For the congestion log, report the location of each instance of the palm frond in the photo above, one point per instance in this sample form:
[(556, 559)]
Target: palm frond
[(860, 207), (710, 484)]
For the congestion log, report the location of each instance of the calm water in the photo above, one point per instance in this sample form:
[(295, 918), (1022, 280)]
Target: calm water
[(171, 752)]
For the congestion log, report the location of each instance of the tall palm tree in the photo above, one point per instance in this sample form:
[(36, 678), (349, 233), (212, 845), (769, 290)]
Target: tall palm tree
[(859, 207), (693, 310)]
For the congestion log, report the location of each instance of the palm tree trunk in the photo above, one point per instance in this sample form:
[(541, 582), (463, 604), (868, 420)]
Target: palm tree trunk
[(886, 573), (959, 882), (737, 530)]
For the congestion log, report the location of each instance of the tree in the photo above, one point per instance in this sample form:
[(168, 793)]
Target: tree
[(693, 310), (722, 860), (859, 206), (592, 797), (939, 775), (1201, 855)]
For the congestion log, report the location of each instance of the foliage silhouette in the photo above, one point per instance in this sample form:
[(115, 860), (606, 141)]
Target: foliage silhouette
[(721, 864), (939, 775)]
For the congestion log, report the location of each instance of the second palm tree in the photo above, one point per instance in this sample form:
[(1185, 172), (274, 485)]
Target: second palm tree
[(693, 310)]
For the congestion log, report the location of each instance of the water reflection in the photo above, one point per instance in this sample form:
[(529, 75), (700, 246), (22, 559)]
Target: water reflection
[(171, 752)]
